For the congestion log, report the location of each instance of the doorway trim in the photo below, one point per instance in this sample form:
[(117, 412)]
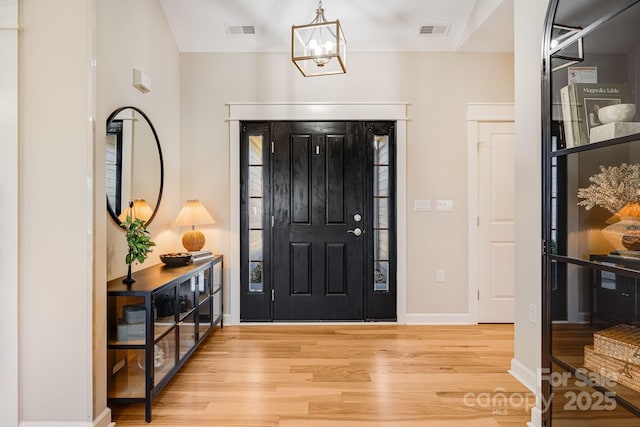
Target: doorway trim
[(478, 113), (327, 111)]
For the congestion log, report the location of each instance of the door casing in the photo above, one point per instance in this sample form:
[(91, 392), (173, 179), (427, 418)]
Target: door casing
[(238, 112), (476, 114)]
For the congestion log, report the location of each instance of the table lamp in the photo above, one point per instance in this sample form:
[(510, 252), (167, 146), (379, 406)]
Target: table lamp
[(193, 213), (137, 209), (624, 229)]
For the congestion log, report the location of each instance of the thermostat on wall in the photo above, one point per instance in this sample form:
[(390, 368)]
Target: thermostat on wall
[(141, 81)]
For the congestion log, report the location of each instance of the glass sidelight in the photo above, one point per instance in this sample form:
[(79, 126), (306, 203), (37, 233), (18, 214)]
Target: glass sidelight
[(255, 208), (255, 296), (381, 220)]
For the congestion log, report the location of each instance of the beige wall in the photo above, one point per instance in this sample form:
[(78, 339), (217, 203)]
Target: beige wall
[(529, 19), (56, 169), (135, 34), (436, 85), (132, 34)]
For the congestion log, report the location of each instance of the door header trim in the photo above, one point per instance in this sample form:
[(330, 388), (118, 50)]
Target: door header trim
[(317, 111)]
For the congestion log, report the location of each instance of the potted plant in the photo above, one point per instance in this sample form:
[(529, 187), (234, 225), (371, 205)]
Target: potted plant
[(138, 241)]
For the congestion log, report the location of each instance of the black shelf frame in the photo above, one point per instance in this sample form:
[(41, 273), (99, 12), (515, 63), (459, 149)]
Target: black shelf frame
[(627, 398), (625, 403), (151, 282)]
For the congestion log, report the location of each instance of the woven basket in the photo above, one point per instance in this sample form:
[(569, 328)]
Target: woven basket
[(620, 341), (619, 371)]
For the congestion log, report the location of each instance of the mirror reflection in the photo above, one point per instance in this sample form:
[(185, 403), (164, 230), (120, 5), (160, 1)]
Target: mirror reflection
[(134, 167)]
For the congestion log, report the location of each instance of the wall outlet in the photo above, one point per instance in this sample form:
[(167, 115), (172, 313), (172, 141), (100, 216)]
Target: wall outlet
[(533, 310), (440, 275)]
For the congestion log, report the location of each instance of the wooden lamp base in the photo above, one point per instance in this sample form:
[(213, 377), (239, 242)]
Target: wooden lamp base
[(193, 240)]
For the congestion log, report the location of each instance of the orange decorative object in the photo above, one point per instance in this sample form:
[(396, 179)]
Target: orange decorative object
[(193, 240)]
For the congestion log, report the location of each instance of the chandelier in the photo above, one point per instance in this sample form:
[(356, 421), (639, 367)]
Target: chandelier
[(319, 47)]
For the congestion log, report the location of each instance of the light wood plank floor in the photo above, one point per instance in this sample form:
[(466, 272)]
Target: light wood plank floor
[(344, 376)]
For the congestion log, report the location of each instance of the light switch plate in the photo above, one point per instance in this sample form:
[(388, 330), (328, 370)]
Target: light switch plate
[(422, 205), (444, 205)]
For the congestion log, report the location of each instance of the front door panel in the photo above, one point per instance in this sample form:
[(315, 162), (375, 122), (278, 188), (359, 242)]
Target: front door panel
[(318, 188)]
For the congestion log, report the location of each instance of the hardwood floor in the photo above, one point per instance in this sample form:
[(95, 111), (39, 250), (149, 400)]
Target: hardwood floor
[(344, 376)]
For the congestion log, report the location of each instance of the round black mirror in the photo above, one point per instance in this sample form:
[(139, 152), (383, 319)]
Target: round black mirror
[(134, 166)]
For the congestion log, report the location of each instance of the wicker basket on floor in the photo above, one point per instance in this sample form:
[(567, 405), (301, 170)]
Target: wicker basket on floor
[(627, 374), (620, 341)]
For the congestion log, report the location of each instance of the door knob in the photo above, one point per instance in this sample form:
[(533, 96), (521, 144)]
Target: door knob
[(356, 231)]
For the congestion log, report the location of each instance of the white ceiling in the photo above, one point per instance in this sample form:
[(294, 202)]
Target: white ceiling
[(369, 25)]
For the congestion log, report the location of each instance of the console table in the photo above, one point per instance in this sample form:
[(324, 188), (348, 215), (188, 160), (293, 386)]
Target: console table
[(154, 325)]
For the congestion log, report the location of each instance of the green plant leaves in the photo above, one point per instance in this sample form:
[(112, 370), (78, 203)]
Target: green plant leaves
[(138, 240)]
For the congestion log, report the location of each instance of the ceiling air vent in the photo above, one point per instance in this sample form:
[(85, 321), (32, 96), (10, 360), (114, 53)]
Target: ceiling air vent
[(434, 30), (241, 30)]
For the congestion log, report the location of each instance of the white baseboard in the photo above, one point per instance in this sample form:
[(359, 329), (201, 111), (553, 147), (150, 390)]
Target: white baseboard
[(411, 319), (56, 424), (525, 375), (104, 419), (529, 379), (226, 319), (584, 317), (536, 418), (441, 319)]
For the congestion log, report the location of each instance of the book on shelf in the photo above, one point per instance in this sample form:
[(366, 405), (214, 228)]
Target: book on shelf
[(201, 255), (201, 252), (569, 118), (201, 258), (582, 105)]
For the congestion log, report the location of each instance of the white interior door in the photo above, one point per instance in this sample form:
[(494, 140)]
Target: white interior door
[(496, 225)]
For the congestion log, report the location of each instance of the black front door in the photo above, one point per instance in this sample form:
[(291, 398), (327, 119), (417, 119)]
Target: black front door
[(318, 196)]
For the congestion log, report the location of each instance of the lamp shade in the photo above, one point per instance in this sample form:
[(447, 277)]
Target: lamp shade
[(631, 209), (193, 213), (137, 209), (623, 233)]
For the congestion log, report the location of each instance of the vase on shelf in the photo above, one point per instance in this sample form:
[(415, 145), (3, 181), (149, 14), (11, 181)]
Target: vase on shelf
[(129, 279)]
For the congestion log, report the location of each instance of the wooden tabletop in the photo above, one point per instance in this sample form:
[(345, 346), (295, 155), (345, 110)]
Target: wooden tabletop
[(150, 278)]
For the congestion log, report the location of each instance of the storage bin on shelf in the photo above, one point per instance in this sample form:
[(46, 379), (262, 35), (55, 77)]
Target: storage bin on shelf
[(627, 374), (621, 342)]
